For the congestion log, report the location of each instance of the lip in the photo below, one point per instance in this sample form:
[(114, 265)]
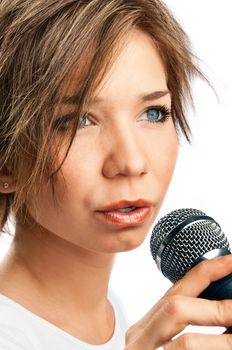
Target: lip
[(138, 216), (126, 203)]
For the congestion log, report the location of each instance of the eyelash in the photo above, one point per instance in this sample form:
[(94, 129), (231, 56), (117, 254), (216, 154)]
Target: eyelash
[(163, 110), (59, 124)]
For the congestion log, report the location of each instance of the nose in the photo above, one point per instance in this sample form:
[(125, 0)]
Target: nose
[(125, 154)]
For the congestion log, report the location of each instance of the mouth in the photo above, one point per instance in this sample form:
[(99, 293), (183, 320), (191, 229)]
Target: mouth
[(127, 205), (126, 213)]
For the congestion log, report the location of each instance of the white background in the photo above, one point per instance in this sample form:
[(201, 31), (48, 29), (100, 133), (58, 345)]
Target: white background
[(203, 174)]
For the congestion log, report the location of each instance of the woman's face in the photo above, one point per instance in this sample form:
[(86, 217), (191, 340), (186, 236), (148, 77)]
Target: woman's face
[(123, 155)]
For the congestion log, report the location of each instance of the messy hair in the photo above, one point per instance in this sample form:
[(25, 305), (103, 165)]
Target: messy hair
[(41, 43)]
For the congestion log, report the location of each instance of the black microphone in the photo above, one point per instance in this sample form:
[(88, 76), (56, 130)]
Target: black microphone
[(185, 237)]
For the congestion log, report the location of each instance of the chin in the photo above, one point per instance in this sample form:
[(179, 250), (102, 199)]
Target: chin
[(130, 246), (126, 242)]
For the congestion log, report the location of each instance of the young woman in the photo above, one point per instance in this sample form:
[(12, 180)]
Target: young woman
[(92, 98)]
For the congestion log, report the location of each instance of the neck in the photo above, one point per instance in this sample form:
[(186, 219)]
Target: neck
[(58, 271)]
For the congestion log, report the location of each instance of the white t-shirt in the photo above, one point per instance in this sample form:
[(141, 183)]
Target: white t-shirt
[(20, 329)]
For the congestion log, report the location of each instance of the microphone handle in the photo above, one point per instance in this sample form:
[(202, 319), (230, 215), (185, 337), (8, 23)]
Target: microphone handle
[(219, 290)]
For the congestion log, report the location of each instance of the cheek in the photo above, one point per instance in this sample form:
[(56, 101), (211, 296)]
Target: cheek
[(171, 154), (41, 209), (165, 156), (81, 166), (79, 177), (76, 182)]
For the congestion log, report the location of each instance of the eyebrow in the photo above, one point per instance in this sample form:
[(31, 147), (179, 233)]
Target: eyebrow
[(155, 95)]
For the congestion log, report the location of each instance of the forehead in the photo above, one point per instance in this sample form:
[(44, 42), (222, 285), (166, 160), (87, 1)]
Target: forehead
[(136, 70)]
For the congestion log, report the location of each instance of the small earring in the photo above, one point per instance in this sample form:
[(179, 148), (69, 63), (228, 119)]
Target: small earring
[(5, 185)]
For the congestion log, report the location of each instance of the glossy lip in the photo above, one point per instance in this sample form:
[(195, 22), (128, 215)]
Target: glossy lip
[(126, 203), (138, 216)]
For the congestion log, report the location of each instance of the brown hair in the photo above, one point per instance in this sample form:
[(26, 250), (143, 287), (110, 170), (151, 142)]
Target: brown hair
[(41, 42)]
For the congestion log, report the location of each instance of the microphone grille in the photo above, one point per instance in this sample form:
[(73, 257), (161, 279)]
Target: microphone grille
[(180, 238)]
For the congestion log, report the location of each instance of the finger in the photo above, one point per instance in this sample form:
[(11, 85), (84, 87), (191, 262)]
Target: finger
[(195, 341), (200, 277), (165, 319), (177, 312), (191, 285)]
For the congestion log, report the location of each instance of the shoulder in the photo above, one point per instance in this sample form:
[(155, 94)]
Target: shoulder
[(12, 339), (12, 332)]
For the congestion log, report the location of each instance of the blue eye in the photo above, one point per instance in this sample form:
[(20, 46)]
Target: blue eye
[(66, 122), (157, 114), (84, 122), (153, 114)]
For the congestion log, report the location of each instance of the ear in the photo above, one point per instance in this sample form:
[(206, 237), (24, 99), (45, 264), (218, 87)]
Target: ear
[(7, 184)]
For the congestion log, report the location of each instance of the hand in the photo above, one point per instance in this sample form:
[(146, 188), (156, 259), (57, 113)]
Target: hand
[(180, 307)]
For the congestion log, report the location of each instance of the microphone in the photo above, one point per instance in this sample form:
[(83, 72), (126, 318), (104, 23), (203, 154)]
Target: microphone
[(184, 238)]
